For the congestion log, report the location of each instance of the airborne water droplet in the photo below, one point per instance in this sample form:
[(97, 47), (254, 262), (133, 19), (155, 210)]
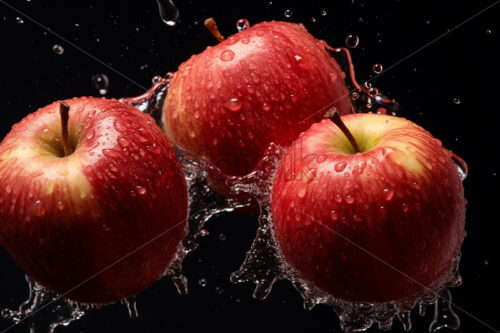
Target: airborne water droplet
[(323, 12), (288, 13), (378, 68), (58, 49), (202, 282), (389, 194), (456, 101), (169, 13), (19, 20), (242, 24), (101, 83), (351, 41)]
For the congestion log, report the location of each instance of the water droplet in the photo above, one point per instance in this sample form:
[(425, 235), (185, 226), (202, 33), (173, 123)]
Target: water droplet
[(323, 12), (354, 95), (404, 207), (101, 83), (313, 19), (288, 13), (169, 13), (389, 194), (352, 41), (334, 216), (227, 55), (488, 31), (60, 205), (123, 141), (203, 282), (349, 199), (339, 167), (90, 134), (141, 190), (19, 20), (456, 101), (39, 208), (378, 68), (111, 153), (321, 158), (222, 237), (234, 104), (214, 141), (242, 24), (58, 49)]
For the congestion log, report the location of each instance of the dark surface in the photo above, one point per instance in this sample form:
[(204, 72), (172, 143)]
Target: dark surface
[(131, 38)]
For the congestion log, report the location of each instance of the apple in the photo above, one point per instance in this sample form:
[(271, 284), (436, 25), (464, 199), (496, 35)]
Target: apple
[(92, 207), (373, 216), (264, 84)]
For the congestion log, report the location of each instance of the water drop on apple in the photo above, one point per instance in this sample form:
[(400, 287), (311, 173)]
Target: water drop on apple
[(227, 55), (234, 104)]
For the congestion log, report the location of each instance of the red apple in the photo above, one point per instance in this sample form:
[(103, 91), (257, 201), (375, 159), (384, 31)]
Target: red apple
[(375, 226), (264, 84), (87, 217)]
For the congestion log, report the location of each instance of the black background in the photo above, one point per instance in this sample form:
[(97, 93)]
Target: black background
[(131, 38)]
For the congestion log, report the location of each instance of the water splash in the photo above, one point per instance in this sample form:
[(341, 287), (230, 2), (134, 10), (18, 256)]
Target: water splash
[(169, 13), (264, 265), (44, 311), (444, 316)]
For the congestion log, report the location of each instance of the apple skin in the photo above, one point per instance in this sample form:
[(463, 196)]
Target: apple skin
[(66, 219), (401, 199), (264, 84)]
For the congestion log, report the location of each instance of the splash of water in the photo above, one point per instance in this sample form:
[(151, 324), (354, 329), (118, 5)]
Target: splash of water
[(44, 311)]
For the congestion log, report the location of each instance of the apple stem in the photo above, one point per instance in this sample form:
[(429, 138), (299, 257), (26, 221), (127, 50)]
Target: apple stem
[(212, 27), (334, 116), (64, 113)]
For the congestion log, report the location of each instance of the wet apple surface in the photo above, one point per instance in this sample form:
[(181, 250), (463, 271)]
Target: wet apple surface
[(374, 226), (265, 84), (442, 73), (81, 217)]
